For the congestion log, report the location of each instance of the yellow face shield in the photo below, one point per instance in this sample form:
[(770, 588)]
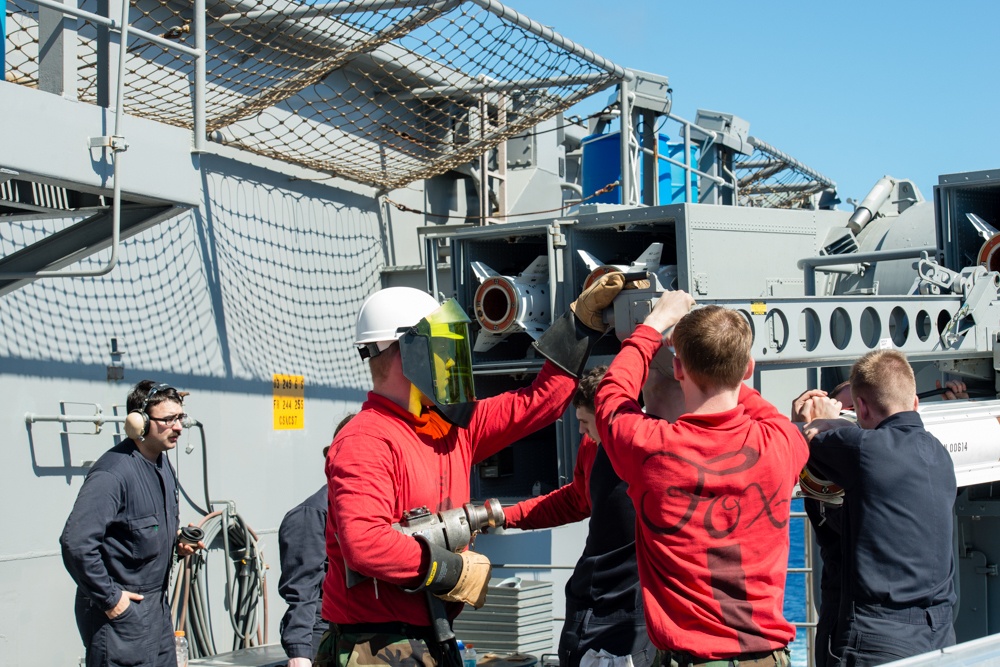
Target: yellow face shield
[(437, 359)]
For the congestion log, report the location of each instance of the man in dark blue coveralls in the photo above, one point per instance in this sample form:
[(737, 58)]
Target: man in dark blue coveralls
[(302, 550), (119, 540), (899, 486)]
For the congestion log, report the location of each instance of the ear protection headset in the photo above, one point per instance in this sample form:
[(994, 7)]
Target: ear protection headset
[(137, 421)]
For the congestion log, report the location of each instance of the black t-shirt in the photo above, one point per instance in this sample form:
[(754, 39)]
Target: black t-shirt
[(606, 577)]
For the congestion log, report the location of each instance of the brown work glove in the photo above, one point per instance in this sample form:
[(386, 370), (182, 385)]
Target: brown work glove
[(472, 582), (589, 306)]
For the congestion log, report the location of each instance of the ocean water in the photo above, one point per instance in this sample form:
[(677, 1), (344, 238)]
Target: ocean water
[(795, 585)]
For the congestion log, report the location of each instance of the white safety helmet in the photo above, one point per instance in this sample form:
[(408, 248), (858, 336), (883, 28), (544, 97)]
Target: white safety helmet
[(386, 315), (434, 346)]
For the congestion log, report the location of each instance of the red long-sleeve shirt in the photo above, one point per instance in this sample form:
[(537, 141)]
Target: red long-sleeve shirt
[(386, 461), (712, 495), (568, 503)]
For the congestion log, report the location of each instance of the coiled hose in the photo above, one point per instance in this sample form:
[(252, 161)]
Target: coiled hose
[(245, 593)]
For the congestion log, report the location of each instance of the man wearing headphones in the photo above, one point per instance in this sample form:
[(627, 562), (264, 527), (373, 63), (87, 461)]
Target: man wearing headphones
[(120, 537)]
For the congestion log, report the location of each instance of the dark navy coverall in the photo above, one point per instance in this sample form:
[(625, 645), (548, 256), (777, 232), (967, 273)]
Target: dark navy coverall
[(122, 534), (826, 521), (302, 549), (898, 589)]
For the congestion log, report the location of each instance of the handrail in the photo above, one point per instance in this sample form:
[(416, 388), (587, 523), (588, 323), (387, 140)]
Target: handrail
[(111, 23), (199, 122), (810, 619), (550, 35), (116, 142), (809, 264), (765, 147)]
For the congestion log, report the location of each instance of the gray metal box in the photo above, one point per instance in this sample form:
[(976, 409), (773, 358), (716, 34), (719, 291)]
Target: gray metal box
[(513, 620)]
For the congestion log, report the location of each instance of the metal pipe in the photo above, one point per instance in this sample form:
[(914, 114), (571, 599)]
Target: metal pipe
[(651, 135), (687, 163), (735, 184), (484, 165), (508, 14), (873, 256), (550, 250), (811, 616), (767, 148), (331, 9), (545, 566), (96, 419), (760, 164), (3, 40), (846, 269), (430, 250), (710, 139), (117, 146), (809, 264), (532, 566), (716, 179), (780, 188), (709, 134), (200, 76), (498, 86), (624, 139), (111, 23)]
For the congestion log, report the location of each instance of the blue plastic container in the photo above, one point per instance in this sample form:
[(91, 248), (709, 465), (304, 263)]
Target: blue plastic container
[(602, 165)]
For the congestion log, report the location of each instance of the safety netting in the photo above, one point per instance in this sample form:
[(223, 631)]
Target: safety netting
[(770, 178), (376, 91)]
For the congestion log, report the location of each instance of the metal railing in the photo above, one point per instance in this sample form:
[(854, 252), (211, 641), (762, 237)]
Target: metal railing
[(115, 142), (808, 625)]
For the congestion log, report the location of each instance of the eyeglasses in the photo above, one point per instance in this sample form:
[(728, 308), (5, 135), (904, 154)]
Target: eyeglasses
[(171, 420)]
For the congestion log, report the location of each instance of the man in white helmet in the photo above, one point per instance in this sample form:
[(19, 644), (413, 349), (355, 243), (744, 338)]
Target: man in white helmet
[(413, 445)]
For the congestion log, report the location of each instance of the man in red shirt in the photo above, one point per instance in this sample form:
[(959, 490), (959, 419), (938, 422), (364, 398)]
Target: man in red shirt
[(603, 597), (413, 445), (711, 490)]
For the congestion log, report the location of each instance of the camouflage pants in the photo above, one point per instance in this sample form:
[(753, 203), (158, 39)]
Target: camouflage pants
[(347, 649)]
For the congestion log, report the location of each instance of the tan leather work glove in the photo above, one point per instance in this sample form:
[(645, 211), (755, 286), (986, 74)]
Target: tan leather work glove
[(473, 582), (590, 305)]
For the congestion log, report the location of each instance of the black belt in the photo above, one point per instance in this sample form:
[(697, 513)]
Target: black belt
[(390, 628), (762, 659)]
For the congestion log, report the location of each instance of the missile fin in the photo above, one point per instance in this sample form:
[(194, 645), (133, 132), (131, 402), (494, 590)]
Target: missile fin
[(485, 341), (482, 271), (589, 260), (537, 270), (983, 228), (649, 260)]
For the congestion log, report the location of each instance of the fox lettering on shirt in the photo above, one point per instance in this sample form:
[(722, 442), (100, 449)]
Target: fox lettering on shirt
[(721, 514)]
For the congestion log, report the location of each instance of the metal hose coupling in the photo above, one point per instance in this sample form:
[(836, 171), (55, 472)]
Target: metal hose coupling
[(488, 515)]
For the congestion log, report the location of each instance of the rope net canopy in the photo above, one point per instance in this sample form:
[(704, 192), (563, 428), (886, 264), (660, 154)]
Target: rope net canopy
[(376, 91), (770, 178)]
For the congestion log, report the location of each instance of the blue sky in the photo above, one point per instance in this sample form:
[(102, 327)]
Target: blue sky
[(853, 89)]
